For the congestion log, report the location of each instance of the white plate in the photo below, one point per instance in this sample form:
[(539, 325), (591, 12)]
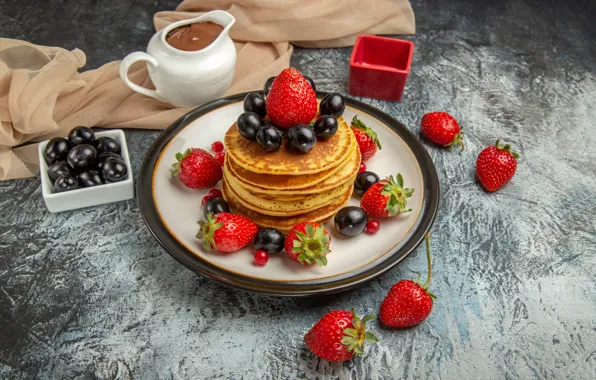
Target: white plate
[(171, 210)]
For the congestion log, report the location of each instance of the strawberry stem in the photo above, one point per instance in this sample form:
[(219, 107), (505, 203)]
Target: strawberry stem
[(430, 269), (458, 140), (506, 148)]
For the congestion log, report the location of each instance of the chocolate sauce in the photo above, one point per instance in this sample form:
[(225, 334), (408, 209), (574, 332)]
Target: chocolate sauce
[(195, 36)]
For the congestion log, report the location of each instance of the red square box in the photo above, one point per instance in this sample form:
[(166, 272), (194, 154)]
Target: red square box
[(379, 67)]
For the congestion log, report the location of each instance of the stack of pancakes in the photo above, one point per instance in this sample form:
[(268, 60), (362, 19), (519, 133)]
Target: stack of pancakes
[(283, 188)]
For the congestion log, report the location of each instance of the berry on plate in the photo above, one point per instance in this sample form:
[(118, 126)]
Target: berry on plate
[(248, 123), (350, 221), (291, 99), (220, 157), (267, 85), (339, 335), (364, 180), (270, 240), (269, 138), (332, 104), (311, 82), (261, 257), (372, 227), (308, 243), (226, 232), (442, 129), (386, 198), (217, 146), (408, 303), (496, 166), (302, 138), (206, 198), (367, 139), (197, 169), (215, 205), (325, 127), (255, 102)]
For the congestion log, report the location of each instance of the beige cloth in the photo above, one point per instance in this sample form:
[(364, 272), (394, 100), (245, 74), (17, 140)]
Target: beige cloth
[(42, 94)]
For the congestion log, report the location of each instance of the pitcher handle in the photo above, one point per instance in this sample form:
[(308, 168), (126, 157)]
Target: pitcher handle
[(128, 61)]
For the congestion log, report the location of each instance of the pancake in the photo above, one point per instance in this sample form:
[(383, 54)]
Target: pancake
[(287, 182), (284, 224), (278, 207), (324, 156), (346, 173)]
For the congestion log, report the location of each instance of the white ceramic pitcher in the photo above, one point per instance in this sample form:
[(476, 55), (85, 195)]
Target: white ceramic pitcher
[(187, 78)]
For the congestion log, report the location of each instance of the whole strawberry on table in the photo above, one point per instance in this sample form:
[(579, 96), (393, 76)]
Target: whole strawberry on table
[(408, 302), (442, 129), (496, 166), (339, 335)]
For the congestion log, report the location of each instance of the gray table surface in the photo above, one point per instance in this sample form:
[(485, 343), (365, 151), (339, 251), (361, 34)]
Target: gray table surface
[(90, 294)]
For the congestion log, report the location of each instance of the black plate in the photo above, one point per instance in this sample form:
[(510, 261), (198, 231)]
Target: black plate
[(430, 204)]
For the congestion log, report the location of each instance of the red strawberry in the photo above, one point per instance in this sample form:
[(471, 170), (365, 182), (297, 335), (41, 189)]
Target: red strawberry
[(339, 335), (386, 198), (495, 166), (367, 139), (226, 232), (408, 303), (442, 128), (308, 243), (197, 168), (291, 100)]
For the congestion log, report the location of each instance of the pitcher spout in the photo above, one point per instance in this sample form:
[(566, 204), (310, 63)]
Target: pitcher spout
[(222, 18)]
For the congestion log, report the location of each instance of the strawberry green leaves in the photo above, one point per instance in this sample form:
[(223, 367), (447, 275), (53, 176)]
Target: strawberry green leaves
[(179, 158), (398, 195), (207, 231), (354, 338), (312, 246)]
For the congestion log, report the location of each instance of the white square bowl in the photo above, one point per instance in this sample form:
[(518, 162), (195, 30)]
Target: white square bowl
[(90, 196)]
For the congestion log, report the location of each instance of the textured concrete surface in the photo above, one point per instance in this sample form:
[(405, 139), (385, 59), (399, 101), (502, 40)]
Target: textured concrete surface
[(89, 293)]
